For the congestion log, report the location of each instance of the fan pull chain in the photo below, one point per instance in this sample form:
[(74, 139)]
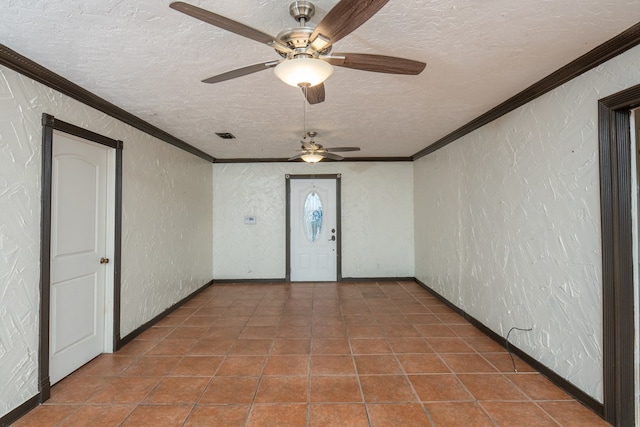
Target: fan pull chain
[(304, 112)]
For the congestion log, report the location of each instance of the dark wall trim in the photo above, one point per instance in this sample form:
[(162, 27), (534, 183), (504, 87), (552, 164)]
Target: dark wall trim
[(32, 403), (140, 329), (346, 159), (378, 279), (602, 53), (14, 415), (117, 253), (49, 124), (253, 160), (344, 280), (25, 66), (574, 391), (339, 227), (247, 281), (606, 51), (337, 178), (44, 385), (617, 255), (377, 159)]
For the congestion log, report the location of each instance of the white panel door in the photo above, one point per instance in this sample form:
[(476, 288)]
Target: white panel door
[(78, 242), (313, 238)]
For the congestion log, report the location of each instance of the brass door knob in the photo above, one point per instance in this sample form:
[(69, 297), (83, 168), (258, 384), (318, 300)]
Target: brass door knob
[(104, 260)]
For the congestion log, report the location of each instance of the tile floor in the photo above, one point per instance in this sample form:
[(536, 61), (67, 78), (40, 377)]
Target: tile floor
[(304, 354)]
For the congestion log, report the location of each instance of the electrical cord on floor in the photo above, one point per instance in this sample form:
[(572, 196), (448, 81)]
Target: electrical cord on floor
[(509, 350)]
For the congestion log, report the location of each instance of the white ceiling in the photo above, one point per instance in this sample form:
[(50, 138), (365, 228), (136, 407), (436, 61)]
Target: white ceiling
[(149, 59)]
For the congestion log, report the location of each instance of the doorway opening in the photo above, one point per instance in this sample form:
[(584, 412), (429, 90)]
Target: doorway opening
[(618, 261), (71, 227)]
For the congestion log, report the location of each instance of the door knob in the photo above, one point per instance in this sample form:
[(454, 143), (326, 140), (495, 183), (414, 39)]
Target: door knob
[(333, 238), (104, 260)]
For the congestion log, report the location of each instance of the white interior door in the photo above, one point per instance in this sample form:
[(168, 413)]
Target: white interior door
[(78, 242), (313, 232)]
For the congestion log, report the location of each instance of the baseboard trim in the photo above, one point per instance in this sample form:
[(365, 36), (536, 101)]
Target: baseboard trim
[(140, 329), (344, 279), (14, 415), (571, 389), (574, 391), (35, 401), (377, 279), (247, 281)]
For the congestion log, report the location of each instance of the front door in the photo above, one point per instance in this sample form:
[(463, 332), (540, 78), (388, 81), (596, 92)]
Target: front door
[(313, 229), (78, 251)]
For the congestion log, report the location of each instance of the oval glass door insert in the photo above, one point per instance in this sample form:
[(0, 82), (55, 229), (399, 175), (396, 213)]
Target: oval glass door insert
[(312, 216)]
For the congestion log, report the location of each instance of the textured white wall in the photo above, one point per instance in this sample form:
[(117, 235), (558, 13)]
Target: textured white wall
[(167, 226), (508, 223), (377, 230), (167, 223), (19, 242)]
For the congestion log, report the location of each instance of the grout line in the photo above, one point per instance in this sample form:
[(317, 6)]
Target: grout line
[(341, 306)]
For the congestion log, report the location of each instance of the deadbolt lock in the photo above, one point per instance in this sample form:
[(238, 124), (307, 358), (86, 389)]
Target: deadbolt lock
[(104, 260)]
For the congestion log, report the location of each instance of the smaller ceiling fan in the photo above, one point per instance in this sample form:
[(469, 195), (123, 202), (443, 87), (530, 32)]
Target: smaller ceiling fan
[(306, 59), (312, 152)]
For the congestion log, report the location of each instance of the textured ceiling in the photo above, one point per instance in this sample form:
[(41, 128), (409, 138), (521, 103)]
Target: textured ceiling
[(149, 59)]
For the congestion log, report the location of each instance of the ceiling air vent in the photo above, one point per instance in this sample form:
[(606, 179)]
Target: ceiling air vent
[(225, 135)]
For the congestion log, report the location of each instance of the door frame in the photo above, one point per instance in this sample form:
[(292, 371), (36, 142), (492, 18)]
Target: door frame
[(337, 177), (614, 129), (49, 125)]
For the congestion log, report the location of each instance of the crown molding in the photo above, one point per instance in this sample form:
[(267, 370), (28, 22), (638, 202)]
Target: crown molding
[(37, 72), (597, 56)]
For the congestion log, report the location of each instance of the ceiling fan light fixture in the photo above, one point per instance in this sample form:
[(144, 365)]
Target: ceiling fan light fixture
[(320, 43), (303, 71), (311, 157)]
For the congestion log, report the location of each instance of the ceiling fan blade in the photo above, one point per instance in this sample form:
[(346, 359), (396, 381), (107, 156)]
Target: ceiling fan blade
[(241, 72), (344, 18), (297, 156), (376, 63), (228, 24), (338, 149), (331, 156), (314, 94)]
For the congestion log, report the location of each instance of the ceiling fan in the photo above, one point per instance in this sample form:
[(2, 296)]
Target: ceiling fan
[(306, 51), (312, 152)]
